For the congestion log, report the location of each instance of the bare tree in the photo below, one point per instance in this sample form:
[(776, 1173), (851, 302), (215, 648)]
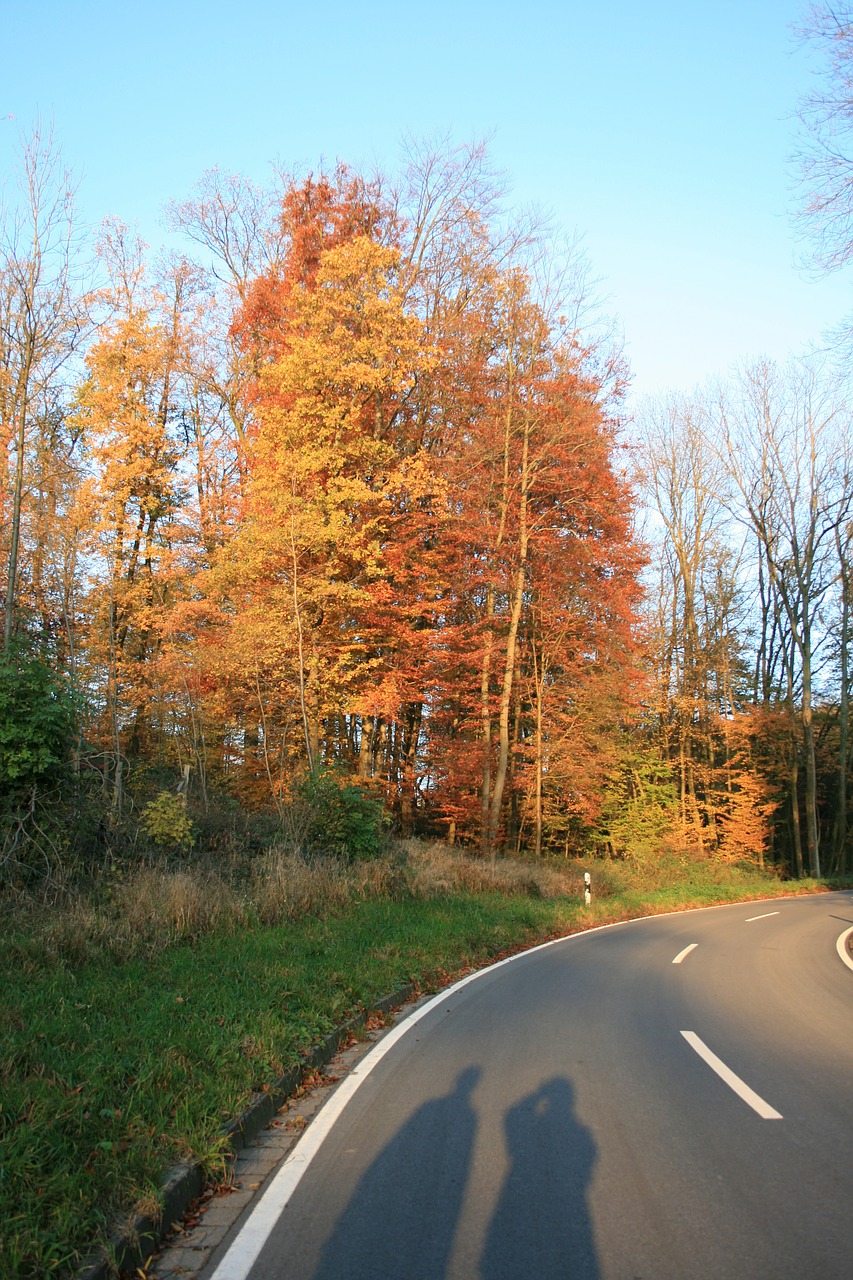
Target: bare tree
[(784, 437), (237, 224), (825, 153), (41, 320), (844, 552), (695, 630)]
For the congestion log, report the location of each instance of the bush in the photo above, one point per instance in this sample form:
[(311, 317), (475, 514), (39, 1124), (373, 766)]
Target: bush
[(166, 822), (343, 818), (36, 726), (37, 723)]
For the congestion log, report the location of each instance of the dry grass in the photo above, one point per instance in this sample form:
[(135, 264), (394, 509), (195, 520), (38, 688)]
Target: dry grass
[(434, 869), (154, 908), (163, 905), (286, 887)]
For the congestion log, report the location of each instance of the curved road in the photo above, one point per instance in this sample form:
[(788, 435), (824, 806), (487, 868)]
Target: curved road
[(670, 1097)]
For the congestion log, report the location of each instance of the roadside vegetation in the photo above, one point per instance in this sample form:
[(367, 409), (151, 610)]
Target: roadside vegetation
[(138, 1016)]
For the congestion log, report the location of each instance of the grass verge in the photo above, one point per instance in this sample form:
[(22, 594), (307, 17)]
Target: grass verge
[(122, 1054)]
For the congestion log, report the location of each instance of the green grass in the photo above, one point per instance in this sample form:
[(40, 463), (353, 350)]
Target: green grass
[(113, 1070)]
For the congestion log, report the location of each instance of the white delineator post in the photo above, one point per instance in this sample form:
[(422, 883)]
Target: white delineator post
[(587, 888)]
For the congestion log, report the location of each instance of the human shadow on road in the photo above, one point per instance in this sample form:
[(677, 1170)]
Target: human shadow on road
[(541, 1226), (401, 1219)]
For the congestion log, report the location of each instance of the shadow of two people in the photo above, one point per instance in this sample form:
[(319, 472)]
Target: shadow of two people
[(401, 1221)]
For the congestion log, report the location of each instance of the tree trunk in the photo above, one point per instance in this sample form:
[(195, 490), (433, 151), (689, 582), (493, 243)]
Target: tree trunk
[(539, 679), (840, 826), (812, 833), (9, 611), (486, 720), (512, 640)]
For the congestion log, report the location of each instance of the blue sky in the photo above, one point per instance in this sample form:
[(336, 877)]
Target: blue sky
[(660, 130)]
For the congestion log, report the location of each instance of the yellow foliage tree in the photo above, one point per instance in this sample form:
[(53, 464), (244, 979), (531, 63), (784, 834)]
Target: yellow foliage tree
[(309, 562), (129, 506)]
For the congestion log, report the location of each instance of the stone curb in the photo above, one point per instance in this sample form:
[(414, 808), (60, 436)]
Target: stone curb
[(132, 1246)]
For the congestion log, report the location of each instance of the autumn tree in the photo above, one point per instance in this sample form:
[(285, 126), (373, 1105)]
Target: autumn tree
[(528, 483), (345, 501), (324, 467), (126, 409)]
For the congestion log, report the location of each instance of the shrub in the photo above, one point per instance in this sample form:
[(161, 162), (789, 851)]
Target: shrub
[(37, 722), (36, 726), (343, 818), (166, 822)]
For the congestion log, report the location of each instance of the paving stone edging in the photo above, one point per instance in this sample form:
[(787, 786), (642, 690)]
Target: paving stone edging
[(132, 1246)]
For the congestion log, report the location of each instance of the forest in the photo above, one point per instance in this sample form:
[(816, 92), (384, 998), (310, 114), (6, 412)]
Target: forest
[(339, 519)]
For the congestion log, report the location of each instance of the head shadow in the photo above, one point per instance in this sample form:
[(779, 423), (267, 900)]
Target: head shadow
[(541, 1226)]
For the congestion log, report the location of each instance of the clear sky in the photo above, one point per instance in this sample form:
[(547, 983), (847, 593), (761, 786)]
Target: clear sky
[(659, 129)]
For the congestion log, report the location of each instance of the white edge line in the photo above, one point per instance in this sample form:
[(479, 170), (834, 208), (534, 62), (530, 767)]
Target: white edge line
[(766, 916), (734, 1082), (252, 1237), (841, 947), (682, 955)]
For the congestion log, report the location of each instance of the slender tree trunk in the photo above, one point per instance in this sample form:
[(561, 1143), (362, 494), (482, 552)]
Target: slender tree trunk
[(312, 738), (840, 831), (112, 699), (199, 746), (407, 782), (312, 719), (364, 749), (512, 639), (395, 754), (275, 793), (382, 747), (486, 719), (488, 643), (794, 776), (539, 679), (9, 611), (812, 833), (795, 811), (682, 781)]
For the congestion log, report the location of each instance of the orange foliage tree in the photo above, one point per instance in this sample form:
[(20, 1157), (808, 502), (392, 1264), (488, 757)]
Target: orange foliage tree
[(350, 499), (428, 483)]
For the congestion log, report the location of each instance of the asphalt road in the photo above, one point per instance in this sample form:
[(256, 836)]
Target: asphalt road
[(550, 1118)]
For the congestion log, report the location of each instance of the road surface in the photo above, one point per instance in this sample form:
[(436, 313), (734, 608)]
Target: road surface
[(670, 1097)]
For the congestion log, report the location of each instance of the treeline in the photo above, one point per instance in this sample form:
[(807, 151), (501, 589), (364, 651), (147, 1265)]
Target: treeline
[(337, 492), (751, 485), (337, 503)]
